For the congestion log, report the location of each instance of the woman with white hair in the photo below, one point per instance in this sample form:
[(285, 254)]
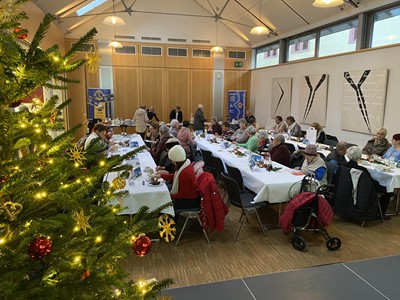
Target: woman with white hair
[(174, 127), (199, 118), (353, 156), (215, 127), (252, 142), (263, 141), (377, 145), (279, 152), (184, 191)]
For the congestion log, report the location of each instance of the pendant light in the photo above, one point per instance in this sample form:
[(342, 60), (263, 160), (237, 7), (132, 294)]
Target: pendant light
[(260, 29), (114, 20), (216, 48), (327, 3)]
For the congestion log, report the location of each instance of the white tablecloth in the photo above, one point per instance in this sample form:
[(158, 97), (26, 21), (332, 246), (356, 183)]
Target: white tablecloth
[(322, 148), (141, 194), (271, 186), (391, 180)]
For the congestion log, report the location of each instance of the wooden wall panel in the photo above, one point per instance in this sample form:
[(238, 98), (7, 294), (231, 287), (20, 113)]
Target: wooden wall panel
[(126, 91), (201, 62), (151, 89), (177, 61), (177, 92), (201, 91), (77, 111)]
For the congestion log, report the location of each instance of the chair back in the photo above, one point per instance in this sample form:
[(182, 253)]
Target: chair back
[(219, 165), (331, 140), (330, 170), (236, 175), (208, 160), (233, 191), (290, 147)]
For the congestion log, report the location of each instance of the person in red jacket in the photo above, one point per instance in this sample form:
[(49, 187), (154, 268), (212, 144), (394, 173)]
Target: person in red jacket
[(184, 191)]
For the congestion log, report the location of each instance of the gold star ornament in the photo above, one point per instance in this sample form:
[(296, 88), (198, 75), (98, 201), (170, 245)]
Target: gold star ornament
[(166, 227), (93, 59), (81, 221), (77, 154)]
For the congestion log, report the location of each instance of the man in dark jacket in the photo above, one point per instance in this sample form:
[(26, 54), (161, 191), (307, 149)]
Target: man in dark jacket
[(199, 118), (176, 113)]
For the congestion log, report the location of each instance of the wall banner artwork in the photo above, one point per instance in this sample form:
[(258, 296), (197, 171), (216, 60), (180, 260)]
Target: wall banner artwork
[(313, 97), (281, 95), (236, 104), (100, 104), (364, 97)]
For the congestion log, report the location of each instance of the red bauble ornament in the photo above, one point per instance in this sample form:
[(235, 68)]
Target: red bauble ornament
[(39, 247), (142, 245), (85, 275), (21, 33)]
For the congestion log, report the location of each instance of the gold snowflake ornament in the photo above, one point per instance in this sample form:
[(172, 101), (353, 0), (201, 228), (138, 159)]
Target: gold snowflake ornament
[(93, 59), (9, 9), (81, 221), (77, 154), (166, 226)]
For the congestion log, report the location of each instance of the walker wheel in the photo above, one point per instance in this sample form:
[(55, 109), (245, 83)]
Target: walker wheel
[(298, 243), (333, 244)]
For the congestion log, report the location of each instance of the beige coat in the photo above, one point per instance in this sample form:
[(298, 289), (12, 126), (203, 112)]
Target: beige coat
[(141, 120)]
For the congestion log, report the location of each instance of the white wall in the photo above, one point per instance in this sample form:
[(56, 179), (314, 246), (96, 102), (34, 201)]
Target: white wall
[(389, 58)]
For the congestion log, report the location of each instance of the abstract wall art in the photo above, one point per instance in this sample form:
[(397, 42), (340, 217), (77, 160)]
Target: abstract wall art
[(313, 95), (281, 97), (364, 97)]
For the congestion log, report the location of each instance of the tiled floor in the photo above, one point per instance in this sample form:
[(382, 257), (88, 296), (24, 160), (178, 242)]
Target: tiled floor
[(368, 279)]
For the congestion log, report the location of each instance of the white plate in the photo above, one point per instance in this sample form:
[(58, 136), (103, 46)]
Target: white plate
[(158, 185)]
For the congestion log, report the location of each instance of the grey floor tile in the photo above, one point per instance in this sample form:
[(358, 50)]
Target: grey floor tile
[(382, 273), (229, 290), (323, 282)]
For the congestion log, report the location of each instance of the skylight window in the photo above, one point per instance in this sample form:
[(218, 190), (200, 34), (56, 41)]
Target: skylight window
[(92, 5)]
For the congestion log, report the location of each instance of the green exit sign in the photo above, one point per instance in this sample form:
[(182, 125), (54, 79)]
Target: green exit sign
[(238, 64)]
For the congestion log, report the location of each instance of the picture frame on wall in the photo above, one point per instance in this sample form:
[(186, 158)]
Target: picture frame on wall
[(364, 98), (281, 96), (313, 99)]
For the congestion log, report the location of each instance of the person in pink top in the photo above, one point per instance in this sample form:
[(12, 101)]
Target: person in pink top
[(185, 136)]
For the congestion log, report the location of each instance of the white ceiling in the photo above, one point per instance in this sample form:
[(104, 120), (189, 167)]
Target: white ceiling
[(195, 19)]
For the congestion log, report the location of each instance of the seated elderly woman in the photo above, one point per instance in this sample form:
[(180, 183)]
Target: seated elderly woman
[(252, 142), (377, 145), (314, 164), (394, 151), (240, 135), (337, 155), (353, 156), (185, 191), (215, 127), (164, 137), (263, 142), (174, 127), (226, 130), (186, 137), (279, 152)]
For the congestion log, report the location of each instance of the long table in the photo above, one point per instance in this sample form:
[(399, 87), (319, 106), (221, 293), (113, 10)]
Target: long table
[(140, 192), (391, 180), (272, 186)]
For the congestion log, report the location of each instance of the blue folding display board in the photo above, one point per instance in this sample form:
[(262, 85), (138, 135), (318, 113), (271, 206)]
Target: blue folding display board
[(236, 104)]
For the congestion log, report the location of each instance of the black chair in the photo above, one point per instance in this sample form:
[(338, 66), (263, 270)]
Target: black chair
[(331, 140), (208, 161), (330, 170), (189, 213), (244, 202), (219, 166), (237, 175), (290, 147)]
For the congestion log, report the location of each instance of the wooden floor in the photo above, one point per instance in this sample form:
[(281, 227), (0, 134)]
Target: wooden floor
[(196, 262)]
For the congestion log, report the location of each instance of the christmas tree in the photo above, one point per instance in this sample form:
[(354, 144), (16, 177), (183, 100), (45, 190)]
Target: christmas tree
[(59, 236)]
